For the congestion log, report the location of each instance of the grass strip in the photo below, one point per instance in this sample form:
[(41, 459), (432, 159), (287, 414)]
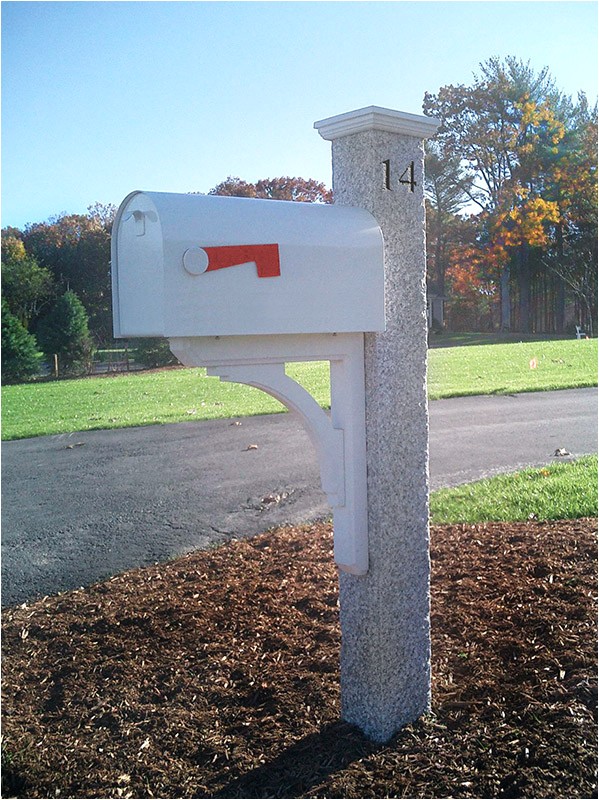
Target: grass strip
[(179, 395), (137, 399), (566, 490), (528, 366)]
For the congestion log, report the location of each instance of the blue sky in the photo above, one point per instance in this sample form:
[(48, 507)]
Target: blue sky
[(100, 98)]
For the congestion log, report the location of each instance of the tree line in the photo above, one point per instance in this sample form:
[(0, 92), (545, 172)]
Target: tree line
[(56, 288), (511, 202)]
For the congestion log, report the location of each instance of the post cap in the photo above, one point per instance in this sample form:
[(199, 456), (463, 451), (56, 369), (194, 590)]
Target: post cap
[(375, 118)]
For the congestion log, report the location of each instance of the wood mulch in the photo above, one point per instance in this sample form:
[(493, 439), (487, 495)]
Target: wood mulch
[(216, 675)]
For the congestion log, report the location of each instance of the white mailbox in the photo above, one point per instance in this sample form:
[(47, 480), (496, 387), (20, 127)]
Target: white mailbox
[(195, 265), (243, 286)]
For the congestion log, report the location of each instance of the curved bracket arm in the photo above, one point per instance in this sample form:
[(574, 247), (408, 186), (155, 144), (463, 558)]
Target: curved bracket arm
[(339, 439), (328, 441)]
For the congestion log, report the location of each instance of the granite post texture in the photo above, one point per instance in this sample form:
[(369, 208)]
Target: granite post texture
[(385, 615)]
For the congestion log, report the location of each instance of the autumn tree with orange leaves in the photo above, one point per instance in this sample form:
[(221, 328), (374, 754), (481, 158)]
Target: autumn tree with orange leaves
[(527, 171)]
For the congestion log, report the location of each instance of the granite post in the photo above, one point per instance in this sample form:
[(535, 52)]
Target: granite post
[(378, 164)]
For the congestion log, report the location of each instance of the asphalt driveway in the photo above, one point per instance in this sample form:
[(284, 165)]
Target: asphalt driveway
[(82, 507)]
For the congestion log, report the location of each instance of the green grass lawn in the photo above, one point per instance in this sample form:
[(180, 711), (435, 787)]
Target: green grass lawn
[(133, 399), (177, 395), (527, 366), (557, 491)]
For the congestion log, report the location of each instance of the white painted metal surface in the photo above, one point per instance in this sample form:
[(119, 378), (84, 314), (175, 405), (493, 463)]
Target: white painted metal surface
[(195, 265)]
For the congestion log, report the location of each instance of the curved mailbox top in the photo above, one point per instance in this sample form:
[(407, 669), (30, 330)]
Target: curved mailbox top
[(197, 265)]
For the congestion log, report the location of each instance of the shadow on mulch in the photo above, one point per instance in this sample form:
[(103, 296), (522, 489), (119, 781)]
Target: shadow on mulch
[(216, 675), (304, 765)]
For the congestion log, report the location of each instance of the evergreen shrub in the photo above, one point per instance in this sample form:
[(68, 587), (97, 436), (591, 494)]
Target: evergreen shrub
[(65, 332), (20, 357)]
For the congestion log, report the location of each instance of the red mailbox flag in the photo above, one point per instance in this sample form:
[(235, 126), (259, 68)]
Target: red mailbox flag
[(265, 256)]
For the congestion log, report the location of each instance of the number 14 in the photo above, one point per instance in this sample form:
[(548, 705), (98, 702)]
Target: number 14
[(407, 176)]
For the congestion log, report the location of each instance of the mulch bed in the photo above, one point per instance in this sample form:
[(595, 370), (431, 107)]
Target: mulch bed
[(216, 675)]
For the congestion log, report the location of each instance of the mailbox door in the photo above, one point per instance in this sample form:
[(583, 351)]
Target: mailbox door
[(137, 266)]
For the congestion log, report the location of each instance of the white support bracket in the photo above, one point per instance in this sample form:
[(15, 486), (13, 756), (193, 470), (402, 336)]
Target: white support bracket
[(327, 440), (339, 439)]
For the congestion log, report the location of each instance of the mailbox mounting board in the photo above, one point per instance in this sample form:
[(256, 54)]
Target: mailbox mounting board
[(197, 265)]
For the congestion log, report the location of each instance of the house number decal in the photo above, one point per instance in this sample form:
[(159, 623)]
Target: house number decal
[(407, 176), (198, 260)]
